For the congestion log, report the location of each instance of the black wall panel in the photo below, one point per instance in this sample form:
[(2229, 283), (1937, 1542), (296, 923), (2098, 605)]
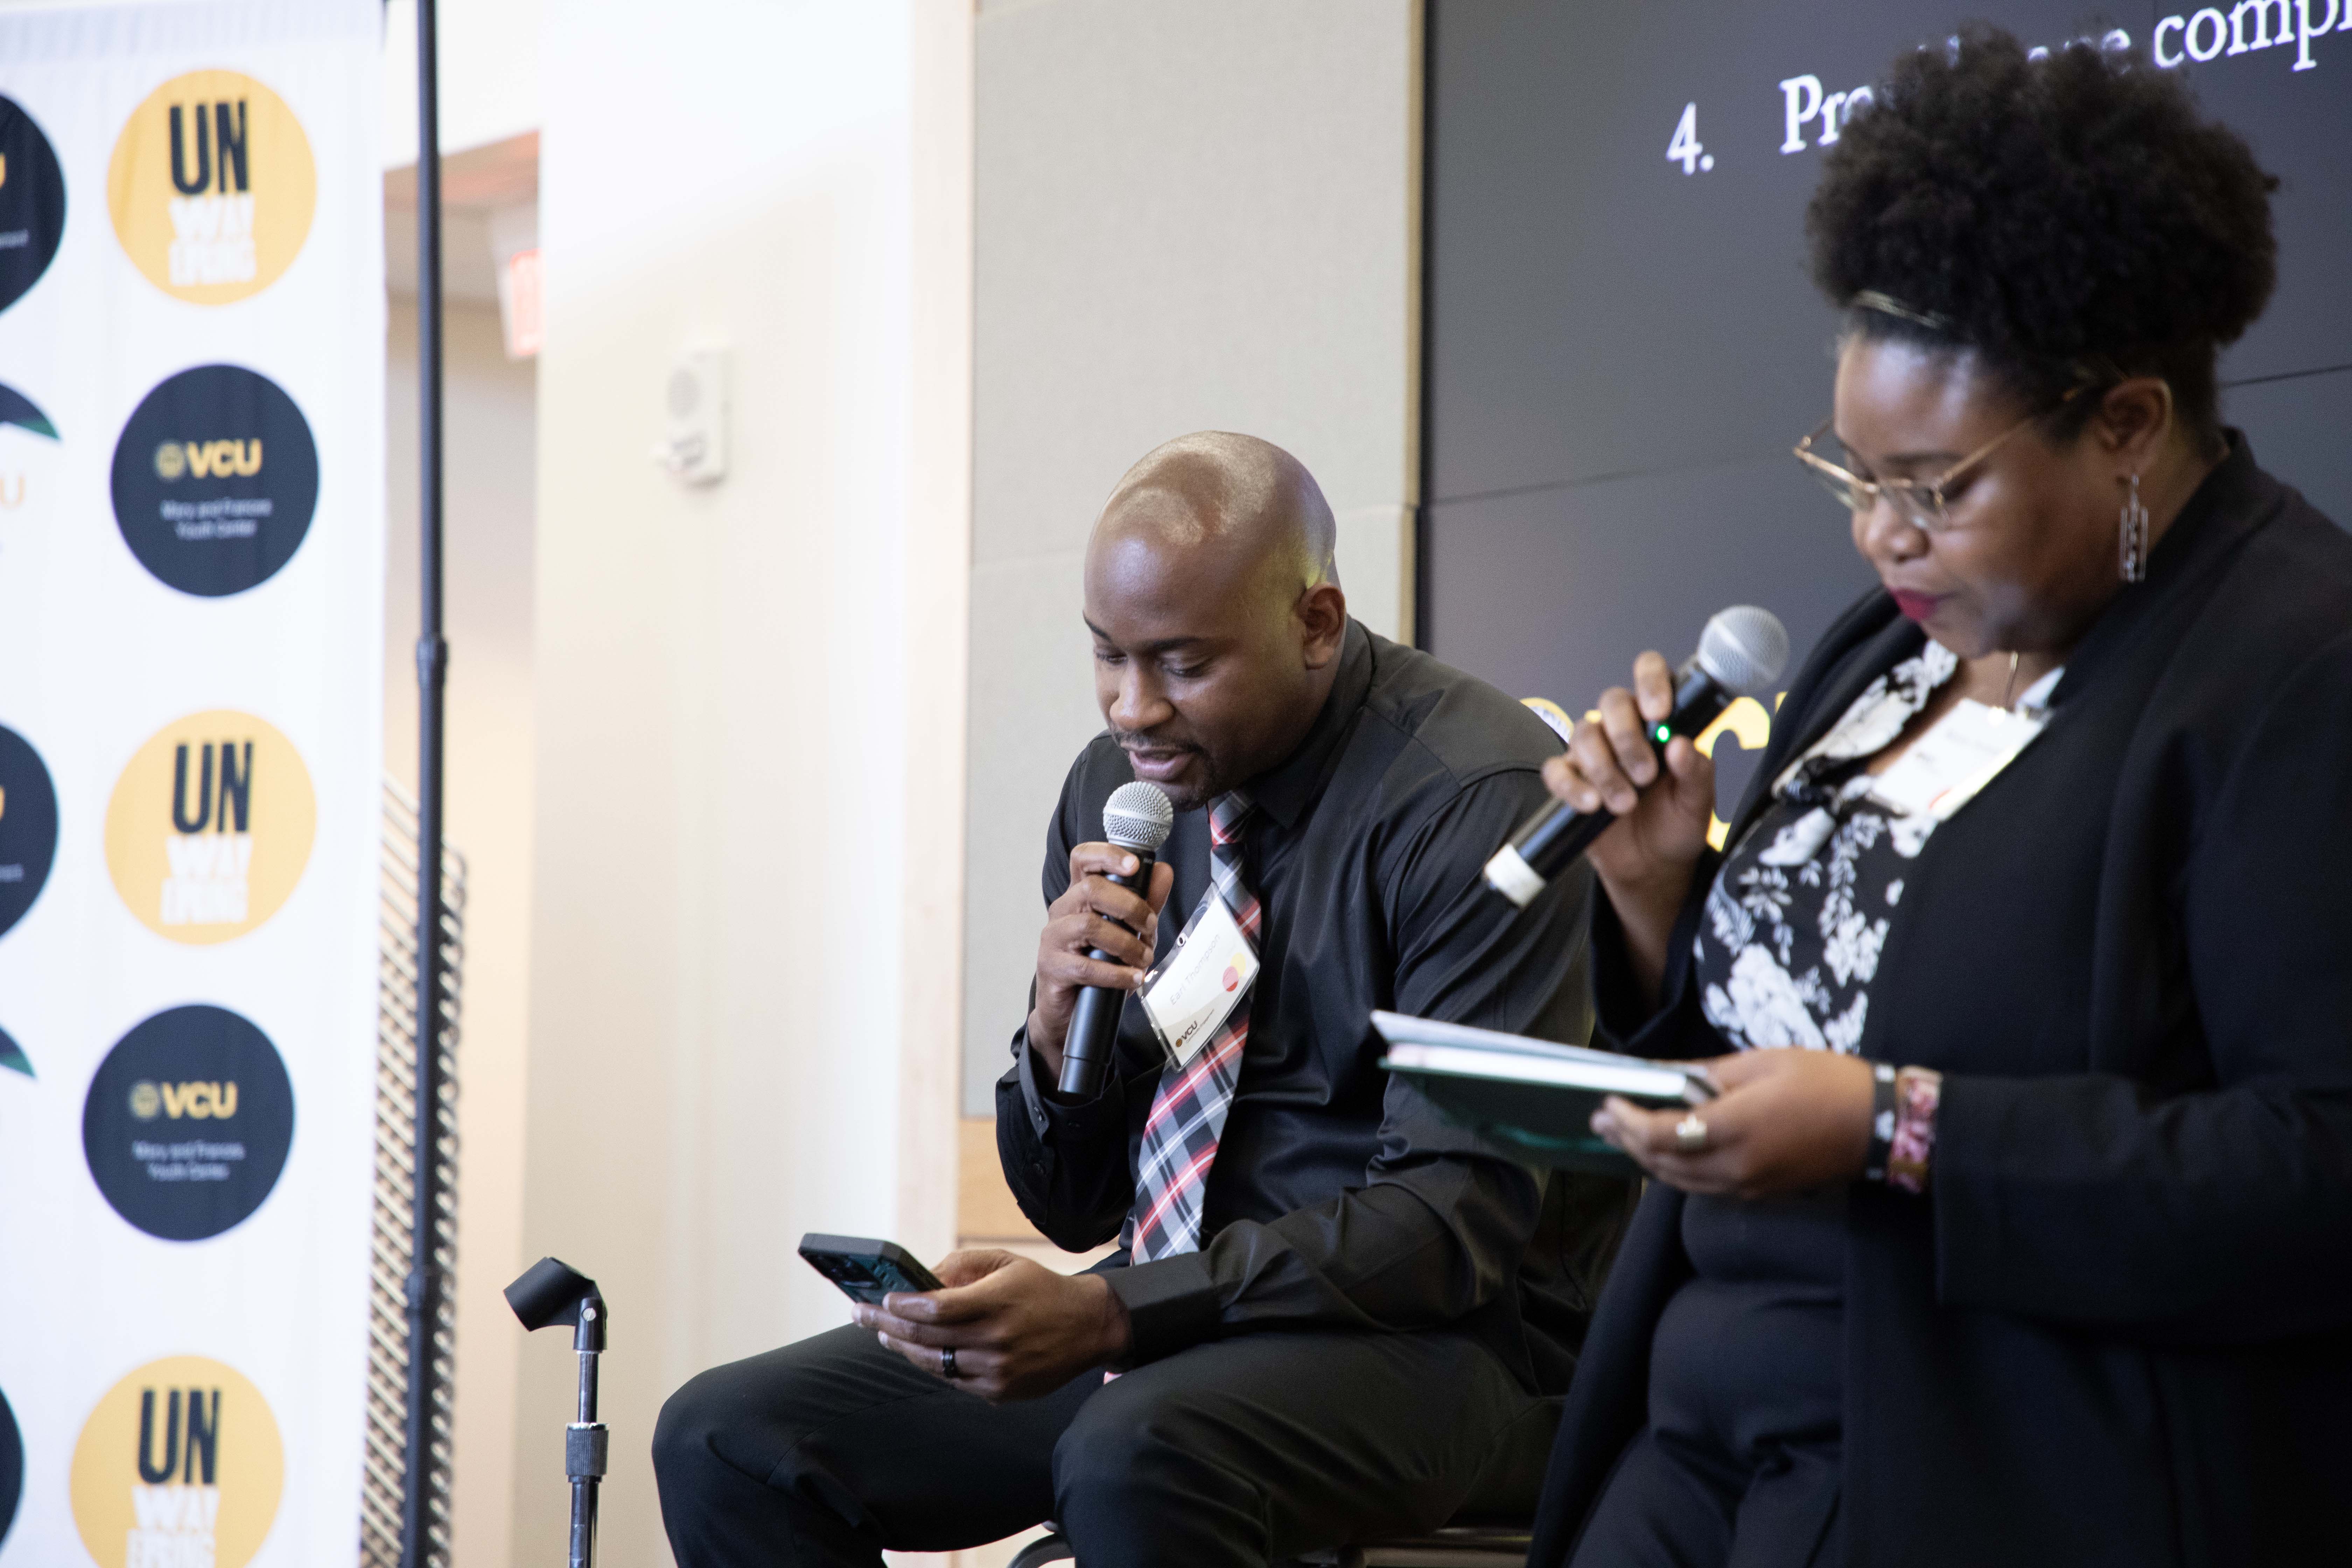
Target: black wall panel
[(2301, 427), (1620, 353)]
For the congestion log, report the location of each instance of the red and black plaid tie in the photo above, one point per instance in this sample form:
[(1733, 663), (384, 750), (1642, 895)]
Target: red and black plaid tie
[(1187, 1115)]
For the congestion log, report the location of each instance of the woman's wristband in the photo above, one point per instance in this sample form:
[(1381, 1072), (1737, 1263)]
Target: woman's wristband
[(1902, 1125), (1917, 1092)]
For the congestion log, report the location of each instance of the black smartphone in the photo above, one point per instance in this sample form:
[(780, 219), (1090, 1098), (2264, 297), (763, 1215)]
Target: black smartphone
[(865, 1270)]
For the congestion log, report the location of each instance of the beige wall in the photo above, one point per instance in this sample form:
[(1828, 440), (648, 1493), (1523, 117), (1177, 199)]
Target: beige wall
[(714, 791), (748, 748), (1195, 215), (489, 478)]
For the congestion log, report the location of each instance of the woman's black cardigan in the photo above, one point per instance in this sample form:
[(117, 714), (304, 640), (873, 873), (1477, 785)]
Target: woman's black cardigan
[(2118, 1328)]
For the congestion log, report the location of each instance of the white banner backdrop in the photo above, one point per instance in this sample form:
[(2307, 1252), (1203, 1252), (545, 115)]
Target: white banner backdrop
[(192, 374)]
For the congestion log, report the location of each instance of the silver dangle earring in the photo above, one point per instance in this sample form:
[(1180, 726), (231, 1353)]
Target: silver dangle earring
[(2133, 542)]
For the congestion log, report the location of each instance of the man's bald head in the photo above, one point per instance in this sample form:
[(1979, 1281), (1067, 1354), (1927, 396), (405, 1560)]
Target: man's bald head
[(1214, 602), (1237, 498)]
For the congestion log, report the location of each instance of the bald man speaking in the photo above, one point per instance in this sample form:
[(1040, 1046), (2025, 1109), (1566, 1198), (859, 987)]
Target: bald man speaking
[(1334, 1315)]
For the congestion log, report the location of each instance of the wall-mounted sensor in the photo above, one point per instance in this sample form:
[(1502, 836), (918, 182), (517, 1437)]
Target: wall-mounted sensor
[(695, 404)]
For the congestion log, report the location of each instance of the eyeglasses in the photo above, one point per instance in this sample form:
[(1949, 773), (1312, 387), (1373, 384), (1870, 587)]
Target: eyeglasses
[(1922, 503)]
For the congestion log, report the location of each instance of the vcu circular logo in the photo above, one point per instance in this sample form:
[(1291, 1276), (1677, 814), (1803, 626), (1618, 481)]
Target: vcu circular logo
[(29, 826), (187, 1122), (216, 477), (12, 1467), (32, 202), (180, 1466), (212, 188), (210, 827)]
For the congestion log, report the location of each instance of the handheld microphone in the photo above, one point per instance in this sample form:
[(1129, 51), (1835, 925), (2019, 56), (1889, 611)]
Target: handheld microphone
[(1137, 818), (1740, 654)]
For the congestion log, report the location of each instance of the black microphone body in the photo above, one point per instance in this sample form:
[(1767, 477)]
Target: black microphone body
[(1556, 835), (1741, 653), (1093, 1037)]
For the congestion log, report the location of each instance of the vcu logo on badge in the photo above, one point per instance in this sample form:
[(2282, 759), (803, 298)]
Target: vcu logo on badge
[(212, 188), (210, 827), (181, 1466)]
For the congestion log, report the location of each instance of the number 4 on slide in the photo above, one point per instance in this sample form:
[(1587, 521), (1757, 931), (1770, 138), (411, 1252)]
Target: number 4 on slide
[(1684, 148)]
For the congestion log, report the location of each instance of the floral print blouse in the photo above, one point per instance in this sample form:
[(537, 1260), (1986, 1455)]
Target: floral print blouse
[(1790, 939)]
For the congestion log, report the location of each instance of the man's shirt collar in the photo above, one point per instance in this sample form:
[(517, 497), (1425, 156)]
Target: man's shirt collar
[(1287, 790)]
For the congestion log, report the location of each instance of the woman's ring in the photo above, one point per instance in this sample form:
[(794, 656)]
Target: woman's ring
[(947, 1363), (1690, 1134)]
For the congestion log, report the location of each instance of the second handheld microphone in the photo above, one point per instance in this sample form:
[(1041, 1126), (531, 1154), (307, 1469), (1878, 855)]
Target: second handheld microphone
[(1137, 818), (1740, 654)]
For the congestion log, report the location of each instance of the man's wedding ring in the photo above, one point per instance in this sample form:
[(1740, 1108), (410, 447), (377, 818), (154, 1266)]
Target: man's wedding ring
[(947, 1363), (1690, 1134)]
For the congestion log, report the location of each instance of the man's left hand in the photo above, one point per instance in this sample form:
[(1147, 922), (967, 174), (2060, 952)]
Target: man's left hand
[(1788, 1121), (1018, 1329)]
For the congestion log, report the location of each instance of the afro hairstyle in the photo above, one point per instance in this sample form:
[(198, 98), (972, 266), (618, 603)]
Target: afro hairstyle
[(2073, 218)]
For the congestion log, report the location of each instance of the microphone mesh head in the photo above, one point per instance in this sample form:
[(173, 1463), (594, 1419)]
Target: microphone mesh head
[(1744, 650), (1137, 816)]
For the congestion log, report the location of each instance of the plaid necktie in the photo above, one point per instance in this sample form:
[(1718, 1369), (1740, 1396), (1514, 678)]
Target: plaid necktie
[(1187, 1115)]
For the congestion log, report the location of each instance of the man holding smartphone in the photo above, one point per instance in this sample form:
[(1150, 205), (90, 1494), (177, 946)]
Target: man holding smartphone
[(1333, 1314)]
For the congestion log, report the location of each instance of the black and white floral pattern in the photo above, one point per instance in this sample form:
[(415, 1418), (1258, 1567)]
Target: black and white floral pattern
[(1797, 918)]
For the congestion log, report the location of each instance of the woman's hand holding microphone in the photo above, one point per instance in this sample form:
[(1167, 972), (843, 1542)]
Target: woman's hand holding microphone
[(1786, 1120), (1645, 859)]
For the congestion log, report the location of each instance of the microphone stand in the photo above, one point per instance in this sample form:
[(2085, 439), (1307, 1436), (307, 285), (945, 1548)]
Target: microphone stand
[(551, 1292)]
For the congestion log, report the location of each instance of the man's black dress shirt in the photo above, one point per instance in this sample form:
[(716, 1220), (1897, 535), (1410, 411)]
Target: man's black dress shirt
[(1339, 1197)]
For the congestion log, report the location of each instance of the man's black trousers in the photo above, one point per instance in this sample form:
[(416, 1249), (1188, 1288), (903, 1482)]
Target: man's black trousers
[(1245, 1450)]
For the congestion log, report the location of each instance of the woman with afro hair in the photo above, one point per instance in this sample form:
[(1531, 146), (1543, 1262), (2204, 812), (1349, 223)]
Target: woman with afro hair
[(2021, 1231)]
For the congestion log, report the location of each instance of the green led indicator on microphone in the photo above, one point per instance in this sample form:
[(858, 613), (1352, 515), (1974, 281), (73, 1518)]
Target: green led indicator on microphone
[(1662, 733)]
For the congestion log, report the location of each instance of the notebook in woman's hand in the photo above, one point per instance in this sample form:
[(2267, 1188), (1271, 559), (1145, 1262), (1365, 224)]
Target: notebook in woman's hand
[(1534, 1098)]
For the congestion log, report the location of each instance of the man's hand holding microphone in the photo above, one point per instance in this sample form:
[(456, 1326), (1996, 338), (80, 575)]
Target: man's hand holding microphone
[(1095, 915)]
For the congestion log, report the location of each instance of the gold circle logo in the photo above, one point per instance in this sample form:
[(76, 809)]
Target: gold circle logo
[(146, 1100), (170, 461), (210, 827), (180, 1463), (212, 188)]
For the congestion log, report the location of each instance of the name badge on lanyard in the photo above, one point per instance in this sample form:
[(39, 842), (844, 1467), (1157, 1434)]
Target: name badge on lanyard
[(1964, 751), (1188, 998)]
